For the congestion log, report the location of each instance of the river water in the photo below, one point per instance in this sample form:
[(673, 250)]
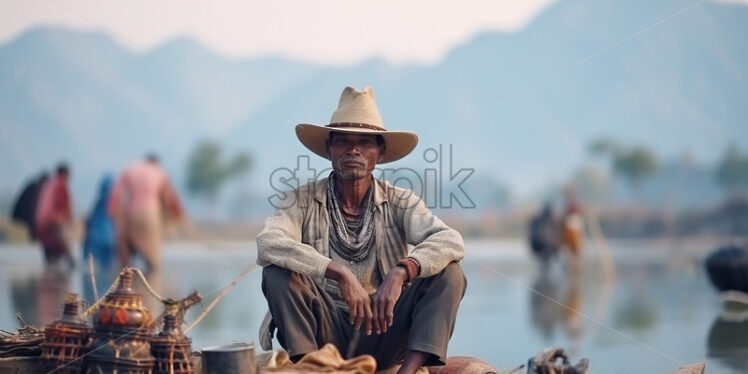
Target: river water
[(658, 313)]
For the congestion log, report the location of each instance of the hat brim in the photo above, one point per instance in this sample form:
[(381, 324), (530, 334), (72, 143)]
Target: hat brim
[(398, 143)]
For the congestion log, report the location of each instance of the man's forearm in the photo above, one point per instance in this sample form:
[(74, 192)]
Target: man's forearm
[(398, 274), (276, 248), (335, 271), (436, 244)]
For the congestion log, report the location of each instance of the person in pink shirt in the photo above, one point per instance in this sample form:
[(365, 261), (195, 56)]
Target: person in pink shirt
[(53, 214), (142, 197)]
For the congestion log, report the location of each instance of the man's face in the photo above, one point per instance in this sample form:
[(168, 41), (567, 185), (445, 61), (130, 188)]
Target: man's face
[(354, 156)]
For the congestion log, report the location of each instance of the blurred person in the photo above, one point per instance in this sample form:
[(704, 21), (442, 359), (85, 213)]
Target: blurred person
[(54, 216), (100, 239), (24, 209), (142, 198), (543, 235), (572, 226), (336, 265)]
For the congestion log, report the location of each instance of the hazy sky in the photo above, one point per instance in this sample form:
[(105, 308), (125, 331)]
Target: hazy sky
[(333, 31)]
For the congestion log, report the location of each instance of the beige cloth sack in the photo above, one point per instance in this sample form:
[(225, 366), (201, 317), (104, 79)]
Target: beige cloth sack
[(325, 360)]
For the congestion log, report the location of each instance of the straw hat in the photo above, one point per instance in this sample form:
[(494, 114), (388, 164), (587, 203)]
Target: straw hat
[(357, 113)]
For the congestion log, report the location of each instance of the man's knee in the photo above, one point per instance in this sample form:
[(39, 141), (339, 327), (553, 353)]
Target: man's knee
[(453, 277), (275, 278), (281, 282)]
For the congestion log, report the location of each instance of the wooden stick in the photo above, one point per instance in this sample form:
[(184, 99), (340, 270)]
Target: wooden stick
[(609, 268), (92, 276), (148, 286), (95, 306)]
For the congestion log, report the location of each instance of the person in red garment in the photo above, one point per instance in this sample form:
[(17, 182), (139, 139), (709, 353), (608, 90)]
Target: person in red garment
[(54, 214)]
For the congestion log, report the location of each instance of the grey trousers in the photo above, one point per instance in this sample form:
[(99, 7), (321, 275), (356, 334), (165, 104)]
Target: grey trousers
[(307, 318)]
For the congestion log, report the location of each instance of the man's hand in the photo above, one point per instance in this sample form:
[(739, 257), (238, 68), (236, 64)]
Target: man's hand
[(383, 301), (353, 294)]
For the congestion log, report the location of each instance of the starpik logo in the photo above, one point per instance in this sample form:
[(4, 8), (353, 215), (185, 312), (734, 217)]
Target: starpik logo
[(438, 185)]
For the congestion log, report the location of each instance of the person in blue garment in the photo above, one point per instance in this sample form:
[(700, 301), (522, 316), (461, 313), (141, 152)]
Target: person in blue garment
[(100, 235)]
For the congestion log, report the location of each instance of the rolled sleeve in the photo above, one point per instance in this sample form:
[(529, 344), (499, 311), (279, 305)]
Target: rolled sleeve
[(435, 243), (279, 243)]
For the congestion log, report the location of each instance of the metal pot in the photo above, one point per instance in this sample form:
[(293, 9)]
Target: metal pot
[(229, 359)]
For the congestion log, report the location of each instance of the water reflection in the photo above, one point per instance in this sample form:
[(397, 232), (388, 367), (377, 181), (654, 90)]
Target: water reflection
[(728, 337), (636, 314), (39, 296), (544, 311), (673, 306), (556, 300)]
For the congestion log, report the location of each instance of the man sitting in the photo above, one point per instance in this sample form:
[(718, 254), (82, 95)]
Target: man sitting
[(335, 254)]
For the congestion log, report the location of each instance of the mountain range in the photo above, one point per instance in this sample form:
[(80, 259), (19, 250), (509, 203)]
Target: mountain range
[(518, 108)]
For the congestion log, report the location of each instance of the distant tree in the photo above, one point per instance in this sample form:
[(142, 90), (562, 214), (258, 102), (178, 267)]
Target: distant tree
[(632, 164), (635, 164), (732, 171), (207, 172), (604, 147)]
